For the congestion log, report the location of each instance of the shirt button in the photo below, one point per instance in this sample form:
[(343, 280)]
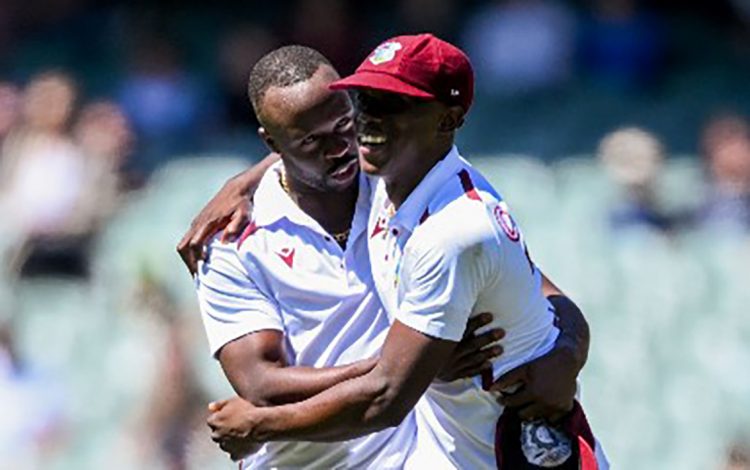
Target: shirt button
[(394, 232), (327, 238)]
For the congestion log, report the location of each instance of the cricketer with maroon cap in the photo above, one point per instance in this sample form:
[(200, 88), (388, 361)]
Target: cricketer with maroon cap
[(428, 69), (442, 243)]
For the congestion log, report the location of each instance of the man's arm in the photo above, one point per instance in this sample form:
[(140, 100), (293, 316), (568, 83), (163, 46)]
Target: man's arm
[(381, 398), (245, 331), (227, 210), (574, 329), (246, 334), (545, 387), (255, 365), (440, 281)]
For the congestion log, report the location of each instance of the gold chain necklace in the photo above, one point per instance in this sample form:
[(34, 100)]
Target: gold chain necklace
[(340, 237)]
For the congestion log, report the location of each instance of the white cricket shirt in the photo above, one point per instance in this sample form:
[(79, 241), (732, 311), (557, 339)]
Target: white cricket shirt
[(286, 273), (452, 251)]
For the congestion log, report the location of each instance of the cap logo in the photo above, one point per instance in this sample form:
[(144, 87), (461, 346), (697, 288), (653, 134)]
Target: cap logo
[(385, 52)]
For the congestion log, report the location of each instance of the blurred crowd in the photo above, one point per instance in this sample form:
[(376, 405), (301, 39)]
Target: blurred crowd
[(60, 173), (94, 96), (634, 158), (179, 72)]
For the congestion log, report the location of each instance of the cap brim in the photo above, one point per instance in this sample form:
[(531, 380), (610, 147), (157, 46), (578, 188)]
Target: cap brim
[(379, 81)]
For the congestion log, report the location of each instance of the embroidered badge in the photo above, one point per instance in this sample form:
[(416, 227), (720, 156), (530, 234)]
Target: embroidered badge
[(385, 52), (503, 217)]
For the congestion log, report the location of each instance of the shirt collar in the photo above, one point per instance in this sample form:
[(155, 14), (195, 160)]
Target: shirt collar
[(413, 209), (272, 203)]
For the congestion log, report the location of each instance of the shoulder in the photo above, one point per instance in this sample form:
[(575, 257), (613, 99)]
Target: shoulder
[(237, 258), (458, 224), (465, 213)]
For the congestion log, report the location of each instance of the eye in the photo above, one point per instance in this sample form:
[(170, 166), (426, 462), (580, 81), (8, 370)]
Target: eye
[(344, 122), (309, 140)]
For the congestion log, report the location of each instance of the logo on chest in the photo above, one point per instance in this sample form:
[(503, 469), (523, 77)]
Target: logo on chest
[(506, 222), (287, 256), (380, 227)]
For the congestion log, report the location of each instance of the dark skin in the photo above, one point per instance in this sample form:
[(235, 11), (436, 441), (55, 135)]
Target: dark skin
[(312, 129), (417, 138), (533, 377), (255, 367), (258, 372)]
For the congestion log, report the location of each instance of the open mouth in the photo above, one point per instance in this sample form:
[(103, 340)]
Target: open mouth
[(370, 132), (371, 139), (345, 171)]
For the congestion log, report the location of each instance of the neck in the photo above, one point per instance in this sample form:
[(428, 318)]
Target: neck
[(333, 210), (403, 183)]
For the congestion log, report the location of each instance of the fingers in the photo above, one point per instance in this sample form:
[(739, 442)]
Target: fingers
[(190, 249), (474, 344), (477, 322), (184, 251), (196, 246), (235, 226), (469, 371), (203, 233), (215, 406), (465, 366), (511, 379)]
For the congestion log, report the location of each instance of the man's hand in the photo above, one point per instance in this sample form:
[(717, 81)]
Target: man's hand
[(228, 210), (231, 423), (542, 388), (472, 355)]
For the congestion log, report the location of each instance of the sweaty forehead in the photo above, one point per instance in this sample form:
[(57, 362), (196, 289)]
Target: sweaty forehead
[(305, 105)]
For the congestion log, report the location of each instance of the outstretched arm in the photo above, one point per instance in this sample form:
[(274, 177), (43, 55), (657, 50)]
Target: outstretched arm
[(227, 210)]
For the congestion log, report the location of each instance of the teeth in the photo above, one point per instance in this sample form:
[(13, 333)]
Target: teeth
[(372, 139)]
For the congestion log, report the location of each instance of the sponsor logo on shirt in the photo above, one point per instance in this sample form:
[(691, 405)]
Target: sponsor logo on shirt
[(287, 256), (380, 227)]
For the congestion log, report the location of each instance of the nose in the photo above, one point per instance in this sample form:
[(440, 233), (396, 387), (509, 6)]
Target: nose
[(338, 146), (364, 119)]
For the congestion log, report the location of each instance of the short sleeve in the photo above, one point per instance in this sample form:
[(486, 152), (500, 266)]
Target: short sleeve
[(440, 281), (232, 303)]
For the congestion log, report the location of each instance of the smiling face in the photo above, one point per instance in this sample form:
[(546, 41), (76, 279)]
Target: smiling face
[(313, 130), (394, 129)]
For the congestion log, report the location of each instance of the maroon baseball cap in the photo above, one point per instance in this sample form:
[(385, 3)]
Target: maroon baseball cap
[(421, 65)]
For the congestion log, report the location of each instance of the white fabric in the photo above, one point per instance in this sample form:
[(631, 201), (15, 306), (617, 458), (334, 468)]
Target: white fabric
[(321, 297), (442, 258)]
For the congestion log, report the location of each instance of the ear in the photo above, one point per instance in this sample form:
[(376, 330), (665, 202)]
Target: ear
[(268, 140), (452, 119)]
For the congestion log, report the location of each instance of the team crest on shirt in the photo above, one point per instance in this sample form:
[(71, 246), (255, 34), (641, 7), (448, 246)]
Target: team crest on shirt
[(385, 52), (506, 222), (286, 255)]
